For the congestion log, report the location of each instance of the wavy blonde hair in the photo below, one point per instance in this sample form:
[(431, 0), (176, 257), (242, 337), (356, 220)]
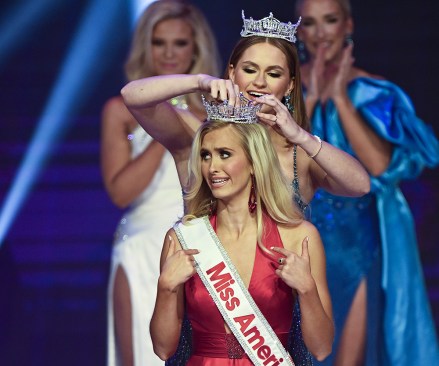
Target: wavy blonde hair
[(272, 193), (139, 63)]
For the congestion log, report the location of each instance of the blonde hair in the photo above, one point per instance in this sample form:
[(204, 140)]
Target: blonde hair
[(272, 193), (139, 63), (290, 52), (345, 6)]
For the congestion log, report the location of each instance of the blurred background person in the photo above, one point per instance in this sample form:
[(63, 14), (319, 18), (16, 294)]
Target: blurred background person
[(381, 309), (140, 175)]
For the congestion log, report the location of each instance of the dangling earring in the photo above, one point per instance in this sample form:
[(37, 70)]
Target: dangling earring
[(252, 202), (348, 40), (287, 103), (301, 50)]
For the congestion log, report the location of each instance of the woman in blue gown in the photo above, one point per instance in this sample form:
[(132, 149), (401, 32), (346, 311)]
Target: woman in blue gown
[(375, 276)]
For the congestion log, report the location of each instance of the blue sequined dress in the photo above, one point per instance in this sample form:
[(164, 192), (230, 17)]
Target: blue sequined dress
[(373, 237)]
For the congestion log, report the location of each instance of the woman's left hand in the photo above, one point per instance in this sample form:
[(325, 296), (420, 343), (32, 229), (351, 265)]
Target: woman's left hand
[(338, 85), (281, 119), (294, 269)]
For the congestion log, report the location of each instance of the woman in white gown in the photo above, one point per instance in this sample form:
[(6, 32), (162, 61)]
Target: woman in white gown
[(140, 174)]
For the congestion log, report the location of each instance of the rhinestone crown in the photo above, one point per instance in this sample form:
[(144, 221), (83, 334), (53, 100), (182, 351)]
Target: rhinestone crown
[(269, 27), (222, 111)]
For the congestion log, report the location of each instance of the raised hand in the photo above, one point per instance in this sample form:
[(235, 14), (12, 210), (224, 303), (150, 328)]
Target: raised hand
[(315, 86), (338, 85), (281, 120), (220, 89), (295, 270), (178, 267)]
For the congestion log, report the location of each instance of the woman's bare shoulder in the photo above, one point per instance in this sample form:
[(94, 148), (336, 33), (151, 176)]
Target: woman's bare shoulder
[(293, 236), (115, 111)]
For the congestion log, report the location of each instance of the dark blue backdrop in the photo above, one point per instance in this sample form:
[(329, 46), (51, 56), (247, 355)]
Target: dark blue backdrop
[(55, 256)]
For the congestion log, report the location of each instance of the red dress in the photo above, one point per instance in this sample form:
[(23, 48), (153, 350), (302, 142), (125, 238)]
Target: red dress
[(211, 344)]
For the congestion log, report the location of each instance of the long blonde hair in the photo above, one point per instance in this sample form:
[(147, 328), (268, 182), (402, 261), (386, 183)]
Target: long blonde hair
[(139, 63), (272, 193)]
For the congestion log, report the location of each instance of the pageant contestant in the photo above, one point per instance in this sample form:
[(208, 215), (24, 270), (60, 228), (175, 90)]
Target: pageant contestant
[(242, 255), (140, 175), (375, 277)]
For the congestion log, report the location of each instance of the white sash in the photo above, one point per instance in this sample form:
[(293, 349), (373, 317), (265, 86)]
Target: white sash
[(230, 295)]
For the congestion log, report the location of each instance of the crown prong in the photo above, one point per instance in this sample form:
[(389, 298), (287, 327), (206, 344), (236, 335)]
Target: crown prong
[(223, 111), (269, 27)]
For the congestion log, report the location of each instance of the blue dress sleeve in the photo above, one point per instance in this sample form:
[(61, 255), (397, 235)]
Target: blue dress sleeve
[(407, 321), (389, 111)]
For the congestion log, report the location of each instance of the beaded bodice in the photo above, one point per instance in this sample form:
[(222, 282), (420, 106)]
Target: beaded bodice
[(295, 184)]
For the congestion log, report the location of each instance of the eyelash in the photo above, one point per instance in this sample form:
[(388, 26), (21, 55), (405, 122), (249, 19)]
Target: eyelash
[(159, 43), (272, 74), (223, 155), (181, 43), (328, 20)]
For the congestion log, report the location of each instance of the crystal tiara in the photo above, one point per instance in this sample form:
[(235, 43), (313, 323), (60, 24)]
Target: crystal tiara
[(269, 27), (222, 111)]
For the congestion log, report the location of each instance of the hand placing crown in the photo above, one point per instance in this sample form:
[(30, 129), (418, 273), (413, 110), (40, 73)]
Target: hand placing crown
[(269, 27), (222, 111)]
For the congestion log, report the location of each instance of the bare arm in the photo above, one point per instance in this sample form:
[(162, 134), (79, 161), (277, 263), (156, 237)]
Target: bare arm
[(124, 178), (146, 100), (335, 170), (176, 267), (315, 303), (373, 151), (174, 129), (304, 270), (331, 168)]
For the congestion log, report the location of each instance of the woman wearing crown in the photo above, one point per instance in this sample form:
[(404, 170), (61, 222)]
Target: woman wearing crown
[(242, 255), (264, 66)]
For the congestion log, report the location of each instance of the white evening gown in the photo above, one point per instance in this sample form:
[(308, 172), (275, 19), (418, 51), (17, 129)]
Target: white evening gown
[(137, 246)]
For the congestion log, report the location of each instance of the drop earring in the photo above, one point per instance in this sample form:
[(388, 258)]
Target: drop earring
[(301, 50), (348, 40), (252, 201), (287, 103)]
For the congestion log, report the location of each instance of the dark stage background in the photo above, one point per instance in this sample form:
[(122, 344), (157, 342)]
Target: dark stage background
[(59, 62)]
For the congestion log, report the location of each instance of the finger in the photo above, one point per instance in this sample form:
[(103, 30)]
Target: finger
[(171, 246), (266, 118), (237, 93), (224, 92), (214, 90), (266, 99), (305, 251), (233, 93), (281, 261), (191, 251), (280, 250), (320, 54)]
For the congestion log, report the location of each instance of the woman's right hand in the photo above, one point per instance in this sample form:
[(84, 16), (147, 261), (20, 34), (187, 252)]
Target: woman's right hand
[(220, 89), (316, 74), (179, 266)]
